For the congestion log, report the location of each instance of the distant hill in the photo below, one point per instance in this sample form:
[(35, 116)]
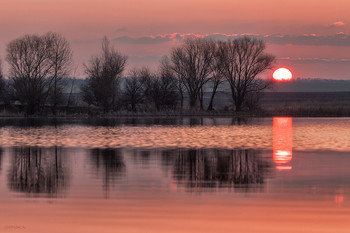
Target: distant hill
[(72, 85), (300, 85), (296, 85), (306, 99), (312, 85)]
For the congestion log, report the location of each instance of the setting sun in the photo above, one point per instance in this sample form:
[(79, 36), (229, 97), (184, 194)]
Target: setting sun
[(282, 74)]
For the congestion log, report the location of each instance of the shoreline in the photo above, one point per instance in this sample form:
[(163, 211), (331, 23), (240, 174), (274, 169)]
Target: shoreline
[(281, 112)]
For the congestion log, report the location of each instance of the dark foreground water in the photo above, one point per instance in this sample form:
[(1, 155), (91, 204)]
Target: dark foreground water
[(175, 175)]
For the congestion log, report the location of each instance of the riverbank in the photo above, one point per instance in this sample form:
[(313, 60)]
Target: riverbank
[(294, 111)]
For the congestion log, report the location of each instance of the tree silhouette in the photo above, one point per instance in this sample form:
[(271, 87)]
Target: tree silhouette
[(36, 65), (135, 89), (61, 59), (167, 71), (104, 71), (161, 90), (242, 60), (192, 64), (2, 83), (216, 79)]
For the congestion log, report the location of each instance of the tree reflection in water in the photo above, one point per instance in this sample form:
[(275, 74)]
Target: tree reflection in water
[(217, 168), (109, 163), (34, 171)]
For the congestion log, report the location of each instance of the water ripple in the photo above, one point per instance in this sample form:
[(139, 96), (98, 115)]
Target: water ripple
[(308, 134)]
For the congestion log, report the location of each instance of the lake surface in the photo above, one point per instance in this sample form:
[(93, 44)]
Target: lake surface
[(175, 175)]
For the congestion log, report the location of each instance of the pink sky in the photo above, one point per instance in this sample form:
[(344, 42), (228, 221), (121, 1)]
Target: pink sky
[(311, 37)]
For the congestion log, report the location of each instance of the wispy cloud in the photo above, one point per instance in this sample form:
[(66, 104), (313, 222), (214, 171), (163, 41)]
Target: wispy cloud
[(339, 39), (337, 24)]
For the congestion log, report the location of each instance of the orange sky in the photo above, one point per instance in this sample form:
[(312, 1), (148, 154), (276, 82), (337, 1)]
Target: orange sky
[(134, 25)]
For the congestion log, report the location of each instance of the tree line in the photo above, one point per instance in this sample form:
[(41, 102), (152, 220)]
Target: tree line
[(38, 65)]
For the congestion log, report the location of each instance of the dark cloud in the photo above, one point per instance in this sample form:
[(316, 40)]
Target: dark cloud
[(83, 41), (339, 39), (140, 59), (155, 39), (315, 60), (143, 40), (122, 29)]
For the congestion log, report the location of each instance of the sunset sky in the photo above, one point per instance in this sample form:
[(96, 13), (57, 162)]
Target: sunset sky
[(311, 37)]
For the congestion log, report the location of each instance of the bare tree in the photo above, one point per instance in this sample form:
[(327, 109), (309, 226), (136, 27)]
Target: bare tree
[(242, 60), (216, 79), (161, 89), (36, 62), (103, 80), (192, 65), (30, 67), (2, 82), (87, 93), (167, 70), (61, 58), (253, 99), (134, 90)]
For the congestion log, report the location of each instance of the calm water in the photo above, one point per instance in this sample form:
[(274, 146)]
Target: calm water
[(175, 175)]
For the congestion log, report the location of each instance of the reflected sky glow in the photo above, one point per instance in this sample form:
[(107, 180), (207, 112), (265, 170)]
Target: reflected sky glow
[(153, 184)]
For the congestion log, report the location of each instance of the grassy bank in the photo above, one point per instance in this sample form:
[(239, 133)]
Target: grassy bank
[(293, 104)]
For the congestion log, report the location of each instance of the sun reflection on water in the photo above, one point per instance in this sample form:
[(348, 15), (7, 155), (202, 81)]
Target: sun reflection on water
[(282, 142)]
